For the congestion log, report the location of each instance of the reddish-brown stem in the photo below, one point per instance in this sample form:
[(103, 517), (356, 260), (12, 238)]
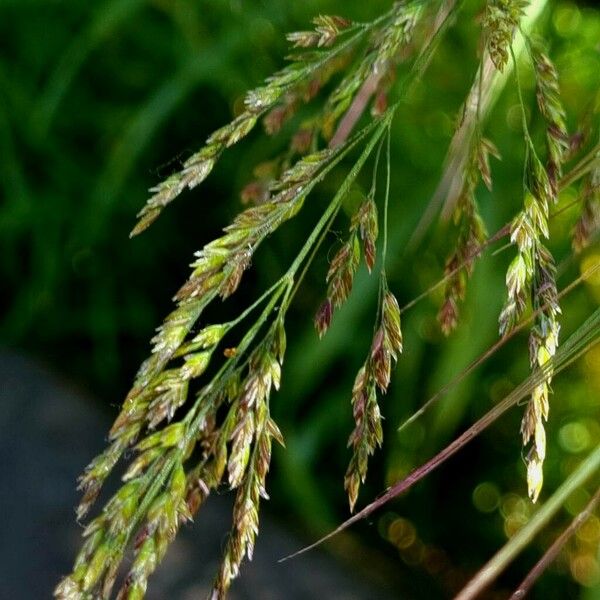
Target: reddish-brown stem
[(369, 87), (354, 113), (495, 347), (554, 550), (579, 343)]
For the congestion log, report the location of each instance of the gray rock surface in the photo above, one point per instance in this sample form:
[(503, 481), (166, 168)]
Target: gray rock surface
[(48, 431)]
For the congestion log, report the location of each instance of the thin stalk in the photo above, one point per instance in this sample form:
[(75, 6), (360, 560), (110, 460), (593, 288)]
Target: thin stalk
[(314, 252), (584, 166), (338, 198), (494, 348), (523, 537), (554, 550), (257, 303), (387, 199)]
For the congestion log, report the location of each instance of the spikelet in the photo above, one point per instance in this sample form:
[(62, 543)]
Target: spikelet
[(374, 374), (501, 19), (364, 230), (551, 109)]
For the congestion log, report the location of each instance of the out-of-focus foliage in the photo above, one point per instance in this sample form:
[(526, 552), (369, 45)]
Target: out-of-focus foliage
[(99, 101)]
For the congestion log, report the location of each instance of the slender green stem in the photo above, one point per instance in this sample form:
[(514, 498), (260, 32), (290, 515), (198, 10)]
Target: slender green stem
[(387, 198), (257, 303), (554, 550), (338, 198), (530, 146), (523, 537), (373, 190), (313, 253)]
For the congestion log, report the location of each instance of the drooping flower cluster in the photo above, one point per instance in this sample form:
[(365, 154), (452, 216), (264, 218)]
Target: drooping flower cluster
[(551, 109), (198, 415), (301, 79), (374, 374), (340, 277), (531, 275), (472, 232)]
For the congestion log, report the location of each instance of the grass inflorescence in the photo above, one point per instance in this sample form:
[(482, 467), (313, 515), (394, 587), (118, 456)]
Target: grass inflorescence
[(198, 416)]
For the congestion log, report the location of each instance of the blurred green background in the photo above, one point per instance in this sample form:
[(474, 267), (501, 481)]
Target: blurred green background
[(99, 101)]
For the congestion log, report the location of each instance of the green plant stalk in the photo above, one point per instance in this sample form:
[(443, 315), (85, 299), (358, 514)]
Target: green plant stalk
[(340, 195), (524, 536), (554, 550), (388, 183)]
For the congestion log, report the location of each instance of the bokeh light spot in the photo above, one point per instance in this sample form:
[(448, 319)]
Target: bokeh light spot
[(486, 497), (402, 533), (576, 501), (589, 532), (566, 20), (585, 569), (574, 437)]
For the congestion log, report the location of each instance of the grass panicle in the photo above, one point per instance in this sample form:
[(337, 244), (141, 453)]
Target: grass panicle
[(375, 374), (198, 416), (531, 276)]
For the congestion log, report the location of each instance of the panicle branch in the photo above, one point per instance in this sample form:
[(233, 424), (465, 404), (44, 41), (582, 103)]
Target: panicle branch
[(551, 109), (532, 273), (374, 374), (364, 231)]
